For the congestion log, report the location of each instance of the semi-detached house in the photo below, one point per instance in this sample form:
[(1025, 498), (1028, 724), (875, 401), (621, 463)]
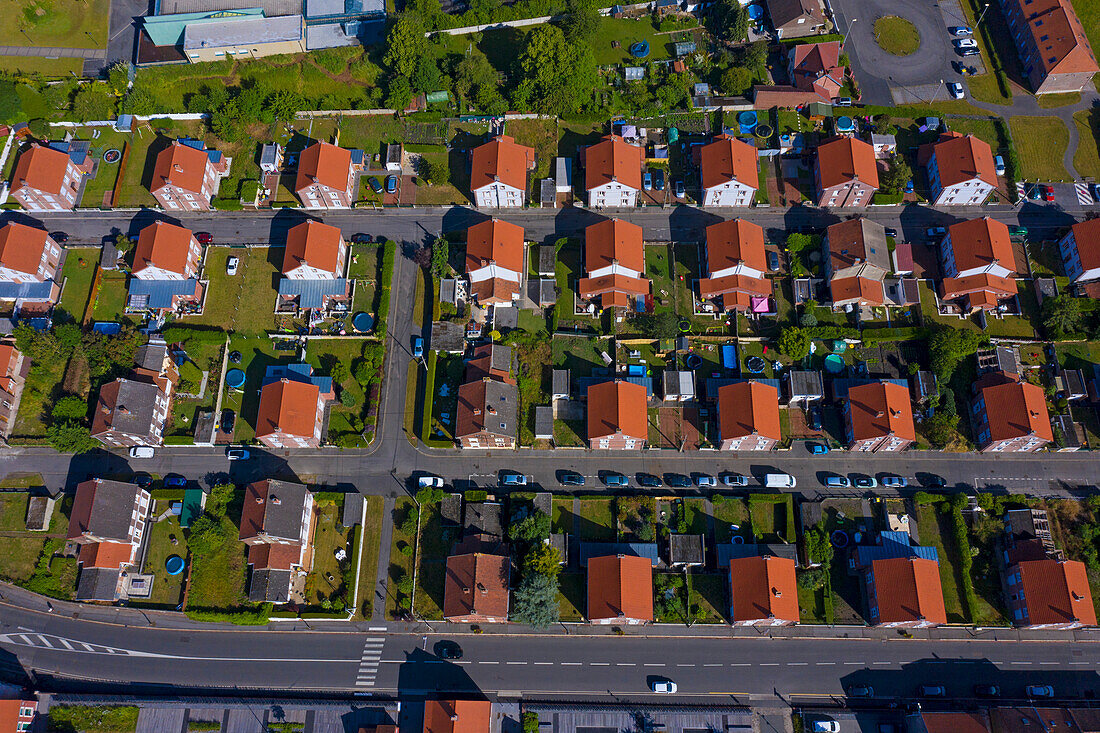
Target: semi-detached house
[(728, 172), (51, 178), (326, 178), (187, 175), (612, 173), (845, 173), (736, 265), (960, 171), (498, 173)]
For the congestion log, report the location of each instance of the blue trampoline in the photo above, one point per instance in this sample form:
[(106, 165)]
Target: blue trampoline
[(363, 322)]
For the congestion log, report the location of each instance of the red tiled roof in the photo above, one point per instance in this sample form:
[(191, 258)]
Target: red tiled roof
[(728, 159), (21, 247), (274, 555), (620, 587), (816, 67), (329, 164), (1087, 235), (182, 165), (1056, 592), (766, 97), (864, 289), (163, 245), (955, 722), (496, 241), (962, 158), (501, 158), (983, 290), (843, 159), (981, 242), (289, 407), (315, 244), (476, 584), (1058, 35), (763, 588), (105, 554), (457, 716), (748, 408), (9, 355), (42, 168), (612, 159), (881, 409), (617, 407), (613, 240), (908, 589), (735, 241), (1015, 409)]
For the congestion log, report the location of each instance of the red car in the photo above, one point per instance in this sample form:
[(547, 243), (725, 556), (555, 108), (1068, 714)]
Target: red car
[(204, 237), (1048, 192)]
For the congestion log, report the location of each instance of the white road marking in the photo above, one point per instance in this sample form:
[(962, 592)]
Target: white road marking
[(368, 662)]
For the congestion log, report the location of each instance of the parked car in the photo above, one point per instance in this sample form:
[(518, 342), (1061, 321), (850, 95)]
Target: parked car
[(891, 232), (231, 265), (648, 480), (572, 478), (818, 449), (861, 691), (448, 650), (430, 482), (663, 686), (678, 189), (647, 181), (735, 479), (375, 184), (967, 51), (987, 690), (956, 90), (175, 481), (142, 479), (229, 419), (999, 165), (1048, 192), (843, 102), (59, 237), (960, 30), (837, 482), (510, 478), (142, 451), (613, 479), (659, 179), (931, 480), (418, 347), (909, 186), (204, 237), (965, 43), (1032, 191), (1094, 189), (677, 480), (864, 482), (702, 479), (894, 482), (959, 67), (391, 184), (935, 232), (360, 237), (1018, 231), (1039, 691), (825, 726), (237, 454), (932, 691), (815, 418)]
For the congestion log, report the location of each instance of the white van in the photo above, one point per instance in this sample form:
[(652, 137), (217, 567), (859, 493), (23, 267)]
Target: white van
[(779, 481), (141, 451)]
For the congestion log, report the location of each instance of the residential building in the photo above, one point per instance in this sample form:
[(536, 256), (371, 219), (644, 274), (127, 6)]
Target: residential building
[(735, 266), (14, 367), (327, 178), (763, 591), (475, 589), (614, 263), (1080, 250), (905, 592), (187, 175), (816, 68), (1027, 536), (458, 716), (487, 415), (107, 522), (498, 173), (51, 178), (30, 264), (617, 417), (620, 590), (495, 256), (857, 261), (492, 360), (1054, 53), (978, 264), (748, 416), (167, 260), (1029, 717), (612, 173), (878, 417), (803, 388), (1049, 594), (797, 18), (960, 170), (133, 410), (314, 267), (925, 722), (244, 37), (292, 407), (18, 716), (845, 173), (277, 523), (728, 172), (1009, 416)]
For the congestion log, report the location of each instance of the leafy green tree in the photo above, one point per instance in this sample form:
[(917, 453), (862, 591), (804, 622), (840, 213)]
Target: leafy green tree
[(662, 325), (794, 342), (10, 104), (897, 174), (729, 20), (39, 127), (118, 78), (940, 428), (405, 45), (581, 21), (949, 346), (1062, 316), (285, 104), (818, 547), (70, 437), (558, 77), (400, 93), (542, 559), (535, 600), (883, 124), (93, 102), (426, 76), (69, 409), (535, 527), (736, 80), (797, 242), (140, 101), (217, 503), (441, 253)]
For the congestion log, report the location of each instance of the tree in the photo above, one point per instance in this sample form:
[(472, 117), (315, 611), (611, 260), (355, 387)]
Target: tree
[(883, 124), (947, 347), (218, 501), (69, 409), (441, 253), (542, 559), (940, 428), (797, 242), (118, 78), (818, 547), (123, 243), (400, 93), (405, 45), (1062, 316), (662, 325), (807, 320), (70, 437), (736, 80), (535, 601), (581, 21), (794, 342), (896, 176), (10, 104), (730, 21), (39, 127), (426, 76), (92, 102), (558, 77), (535, 527), (285, 104), (477, 81)]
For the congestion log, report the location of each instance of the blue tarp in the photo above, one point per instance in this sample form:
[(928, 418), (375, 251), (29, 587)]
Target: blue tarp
[(158, 294), (312, 293)]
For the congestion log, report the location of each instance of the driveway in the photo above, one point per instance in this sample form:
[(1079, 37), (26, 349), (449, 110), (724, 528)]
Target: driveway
[(121, 35)]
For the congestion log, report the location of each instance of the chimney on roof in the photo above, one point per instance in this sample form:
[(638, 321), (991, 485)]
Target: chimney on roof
[(777, 593), (481, 587), (614, 178), (454, 717), (880, 413), (496, 177), (177, 167), (465, 589), (259, 500), (123, 410), (1077, 596), (276, 500)]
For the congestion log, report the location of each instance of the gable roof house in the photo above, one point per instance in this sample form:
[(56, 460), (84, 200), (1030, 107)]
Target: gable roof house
[(617, 417), (498, 173), (796, 18), (51, 178), (614, 264), (763, 591), (14, 367), (960, 170), (816, 67), (107, 521), (187, 175), (905, 592), (1049, 593), (845, 173), (492, 360), (612, 173), (1009, 416), (620, 590), (29, 264), (458, 716), (18, 716), (1054, 51), (728, 172), (314, 269), (132, 410), (978, 264), (735, 265), (748, 416), (487, 414), (1080, 250), (495, 261), (326, 178), (292, 407), (475, 589), (857, 261), (878, 417), (167, 260), (278, 519)]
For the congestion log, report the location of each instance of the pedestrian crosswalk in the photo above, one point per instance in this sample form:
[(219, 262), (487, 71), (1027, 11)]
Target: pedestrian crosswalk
[(1083, 196), (1020, 190), (368, 663)]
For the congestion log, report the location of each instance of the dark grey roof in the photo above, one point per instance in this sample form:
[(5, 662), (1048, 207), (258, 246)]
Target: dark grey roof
[(151, 355), (560, 542), (548, 256), (548, 192), (483, 518), (1027, 524), (501, 358), (505, 316), (39, 512), (448, 336), (133, 410), (685, 549), (112, 508), (548, 291), (544, 421), (805, 384), (243, 31), (283, 512), (97, 584), (269, 586), (544, 502), (1074, 382), (108, 260), (504, 399), (1001, 358), (269, 153), (447, 290), (1064, 424), (924, 384), (678, 382), (312, 293), (589, 550), (560, 380), (783, 12), (353, 509), (730, 551), (450, 510)]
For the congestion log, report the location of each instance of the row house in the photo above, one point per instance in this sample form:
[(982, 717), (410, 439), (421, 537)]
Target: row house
[(495, 254), (132, 411), (978, 264), (878, 417), (1009, 416), (292, 407), (1054, 51), (187, 175), (735, 266), (960, 170), (107, 522), (498, 173), (857, 261), (845, 173), (614, 263), (728, 172), (51, 178), (278, 519), (748, 416), (612, 173)]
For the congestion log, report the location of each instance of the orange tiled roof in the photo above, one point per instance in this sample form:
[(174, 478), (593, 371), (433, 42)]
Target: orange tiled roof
[(105, 554), (908, 589), (42, 168), (748, 408), (496, 241), (735, 241), (476, 584), (163, 245), (1015, 409), (728, 159), (315, 244), (1060, 38), (981, 242), (612, 159), (613, 240), (864, 288), (762, 588), (182, 165), (328, 164), (617, 407), (289, 407), (620, 587), (844, 159), (962, 158), (501, 158), (457, 716), (1087, 235), (881, 409), (21, 247), (1056, 592)]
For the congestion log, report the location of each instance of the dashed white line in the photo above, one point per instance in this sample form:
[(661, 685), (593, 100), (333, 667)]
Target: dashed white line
[(625, 664), (486, 662), (654, 664), (515, 662), (797, 664), (712, 665), (824, 664), (542, 663), (571, 664)]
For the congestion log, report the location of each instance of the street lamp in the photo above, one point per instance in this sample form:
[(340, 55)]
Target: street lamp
[(979, 21), (854, 21), (933, 99)]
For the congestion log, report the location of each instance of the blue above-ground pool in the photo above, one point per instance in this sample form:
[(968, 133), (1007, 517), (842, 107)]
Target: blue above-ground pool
[(234, 378), (363, 322), (174, 564), (834, 364)]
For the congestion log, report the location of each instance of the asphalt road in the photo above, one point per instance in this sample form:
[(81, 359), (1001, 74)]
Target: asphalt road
[(747, 670)]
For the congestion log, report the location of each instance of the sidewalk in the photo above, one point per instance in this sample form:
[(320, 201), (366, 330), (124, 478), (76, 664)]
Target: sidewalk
[(54, 52)]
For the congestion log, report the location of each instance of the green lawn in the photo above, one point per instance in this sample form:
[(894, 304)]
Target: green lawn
[(110, 300), (137, 172), (932, 317), (330, 579), (772, 520), (896, 35), (219, 574), (542, 135), (1041, 142), (709, 593), (982, 129), (1022, 326), (59, 68), (71, 23), (562, 517), (571, 596), (368, 569), (13, 511), (627, 32), (731, 511), (20, 554), (167, 589), (245, 302), (435, 546), (323, 354), (578, 354), (596, 522), (401, 559), (257, 354), (78, 273), (935, 529), (1087, 158)]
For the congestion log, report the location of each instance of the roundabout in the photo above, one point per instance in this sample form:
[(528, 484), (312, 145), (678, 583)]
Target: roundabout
[(896, 35)]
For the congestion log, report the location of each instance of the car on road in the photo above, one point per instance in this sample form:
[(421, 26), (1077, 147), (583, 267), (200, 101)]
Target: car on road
[(1094, 189), (391, 184), (825, 726), (375, 184), (967, 51), (837, 482), (648, 480), (571, 478), (59, 237), (142, 479), (931, 480), (1039, 691), (204, 237), (666, 687), (932, 691), (891, 232), (999, 165), (735, 479), (614, 479), (864, 482), (430, 482), (232, 264), (702, 480), (861, 691), (934, 232), (1031, 190), (1048, 192), (647, 181), (511, 478), (1017, 231), (142, 451), (960, 30), (987, 690), (818, 449), (965, 43), (418, 347), (955, 89), (360, 238), (815, 418), (894, 482), (843, 102), (679, 190), (448, 650), (677, 480), (237, 454), (659, 179), (175, 481), (229, 419)]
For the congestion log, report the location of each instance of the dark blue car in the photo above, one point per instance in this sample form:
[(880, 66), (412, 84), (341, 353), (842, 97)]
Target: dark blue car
[(391, 184)]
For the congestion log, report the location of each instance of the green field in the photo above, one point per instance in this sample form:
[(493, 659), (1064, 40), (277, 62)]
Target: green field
[(67, 23), (1041, 142)]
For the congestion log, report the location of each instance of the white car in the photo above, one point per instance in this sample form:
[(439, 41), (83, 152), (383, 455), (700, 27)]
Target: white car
[(825, 726), (231, 265), (666, 687), (956, 90), (430, 482), (965, 43), (142, 451)]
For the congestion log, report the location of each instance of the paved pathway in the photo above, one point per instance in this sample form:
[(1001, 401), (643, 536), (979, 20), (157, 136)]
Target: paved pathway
[(53, 52), (385, 541)]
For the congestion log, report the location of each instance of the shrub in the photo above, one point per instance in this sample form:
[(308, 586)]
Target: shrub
[(476, 495)]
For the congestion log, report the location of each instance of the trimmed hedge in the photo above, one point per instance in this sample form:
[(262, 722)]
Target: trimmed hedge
[(429, 391), (389, 253), (257, 616), (476, 495), (906, 333)]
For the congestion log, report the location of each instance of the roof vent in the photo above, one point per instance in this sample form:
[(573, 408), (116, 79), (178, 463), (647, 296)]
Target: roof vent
[(880, 413), (454, 717), (465, 589), (777, 593), (177, 167), (276, 500), (259, 500)]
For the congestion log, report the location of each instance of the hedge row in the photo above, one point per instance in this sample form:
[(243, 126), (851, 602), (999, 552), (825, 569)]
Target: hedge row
[(954, 504), (389, 253), (429, 391), (906, 333), (257, 616)]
